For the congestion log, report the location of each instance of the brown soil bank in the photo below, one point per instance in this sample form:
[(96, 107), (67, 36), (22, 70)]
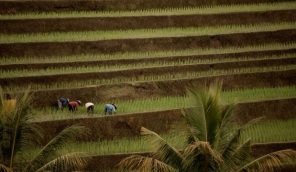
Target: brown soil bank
[(162, 121), (135, 61), (126, 91), (104, 162), (140, 73), (146, 44), (112, 23), (67, 5)]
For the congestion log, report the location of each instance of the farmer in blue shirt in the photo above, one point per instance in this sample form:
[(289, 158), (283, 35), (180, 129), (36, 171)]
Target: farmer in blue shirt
[(110, 108), (62, 103)]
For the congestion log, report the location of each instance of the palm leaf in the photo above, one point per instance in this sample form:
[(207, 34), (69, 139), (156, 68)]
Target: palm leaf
[(67, 135), (234, 157), (226, 131), (196, 119), (19, 119), (145, 164), (68, 162), (1, 99), (164, 151), (271, 162), (199, 156), (4, 168), (205, 118)]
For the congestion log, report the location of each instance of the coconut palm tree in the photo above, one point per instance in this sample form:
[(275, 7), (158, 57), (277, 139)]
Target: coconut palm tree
[(17, 134), (212, 142)]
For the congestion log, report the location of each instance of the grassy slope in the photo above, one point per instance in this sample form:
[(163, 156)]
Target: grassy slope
[(158, 12), (147, 54), (117, 67), (164, 103), (264, 132), (144, 78), (143, 33)]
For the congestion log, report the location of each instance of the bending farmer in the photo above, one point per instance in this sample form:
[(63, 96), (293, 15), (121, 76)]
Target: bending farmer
[(62, 103), (74, 105), (110, 108), (89, 107)]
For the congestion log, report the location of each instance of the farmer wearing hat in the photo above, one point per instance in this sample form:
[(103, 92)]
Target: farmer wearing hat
[(89, 107)]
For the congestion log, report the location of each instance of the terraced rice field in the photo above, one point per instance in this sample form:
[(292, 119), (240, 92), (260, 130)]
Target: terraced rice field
[(143, 55)]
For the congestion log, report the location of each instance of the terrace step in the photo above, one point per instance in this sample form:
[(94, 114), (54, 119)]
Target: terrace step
[(149, 89), (141, 72), (17, 6), (128, 125), (146, 44), (141, 22), (49, 65)]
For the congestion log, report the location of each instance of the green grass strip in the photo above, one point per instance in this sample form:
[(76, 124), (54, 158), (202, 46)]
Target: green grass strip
[(264, 132), (141, 65), (166, 103), (218, 9), (271, 131), (145, 78), (143, 33), (147, 54)]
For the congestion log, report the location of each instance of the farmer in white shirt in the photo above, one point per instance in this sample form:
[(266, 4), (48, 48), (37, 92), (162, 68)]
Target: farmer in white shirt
[(89, 107)]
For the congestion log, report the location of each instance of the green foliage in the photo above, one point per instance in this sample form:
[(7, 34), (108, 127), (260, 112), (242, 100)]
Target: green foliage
[(17, 134), (270, 131), (261, 132), (166, 103), (147, 54), (143, 33), (18, 72), (178, 75), (158, 12), (214, 141)]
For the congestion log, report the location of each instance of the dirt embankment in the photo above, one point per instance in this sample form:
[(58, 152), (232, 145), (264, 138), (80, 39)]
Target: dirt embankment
[(140, 73), (110, 161), (128, 91), (8, 6), (112, 23), (135, 61), (146, 44), (111, 127)]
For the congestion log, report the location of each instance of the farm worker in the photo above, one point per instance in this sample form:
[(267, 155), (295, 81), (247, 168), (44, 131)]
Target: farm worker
[(74, 105), (89, 107), (62, 103), (110, 108)]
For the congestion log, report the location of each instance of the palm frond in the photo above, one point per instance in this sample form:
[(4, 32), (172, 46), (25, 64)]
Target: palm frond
[(206, 117), (234, 157), (271, 162), (226, 132), (1, 100), (20, 113), (66, 135), (197, 129), (145, 164), (195, 118), (199, 156), (4, 168), (164, 151), (213, 109), (68, 162)]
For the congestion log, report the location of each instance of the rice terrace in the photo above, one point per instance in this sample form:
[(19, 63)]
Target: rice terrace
[(148, 85)]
